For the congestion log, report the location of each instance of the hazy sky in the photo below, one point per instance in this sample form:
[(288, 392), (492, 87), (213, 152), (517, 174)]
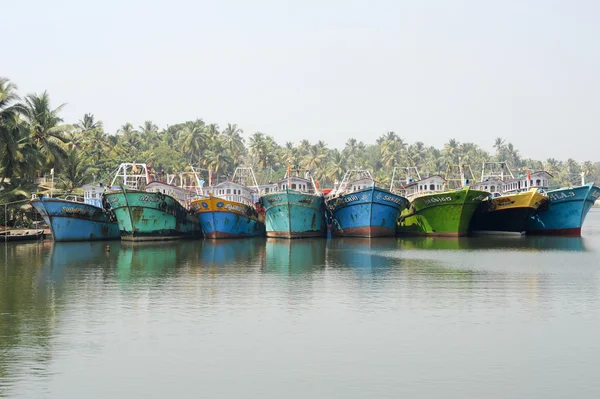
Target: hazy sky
[(528, 71)]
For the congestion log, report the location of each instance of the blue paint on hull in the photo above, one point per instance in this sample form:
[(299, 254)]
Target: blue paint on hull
[(567, 211), (229, 225), (371, 212), (293, 214), (75, 221)]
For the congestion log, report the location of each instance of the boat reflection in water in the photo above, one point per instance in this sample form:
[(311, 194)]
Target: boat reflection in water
[(518, 243), (234, 251), (294, 256), (149, 259), (362, 254), (78, 256)]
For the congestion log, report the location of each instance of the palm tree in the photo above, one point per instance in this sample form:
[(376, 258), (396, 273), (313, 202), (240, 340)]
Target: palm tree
[(46, 127), (498, 145), (336, 166), (217, 158), (233, 140), (193, 139), (75, 172), (11, 129), (588, 168), (262, 150), (314, 158), (149, 134), (289, 154), (451, 148)]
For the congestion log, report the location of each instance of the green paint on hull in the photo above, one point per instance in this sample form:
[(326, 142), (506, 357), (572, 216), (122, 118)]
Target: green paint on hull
[(144, 216), (446, 214)]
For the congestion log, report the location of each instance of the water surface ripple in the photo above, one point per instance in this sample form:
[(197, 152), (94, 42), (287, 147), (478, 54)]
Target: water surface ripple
[(349, 318)]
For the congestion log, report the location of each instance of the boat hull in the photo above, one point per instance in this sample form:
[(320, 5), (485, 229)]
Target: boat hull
[(228, 219), (507, 213), (152, 216), (441, 214), (75, 221), (566, 212), (293, 214), (371, 212)]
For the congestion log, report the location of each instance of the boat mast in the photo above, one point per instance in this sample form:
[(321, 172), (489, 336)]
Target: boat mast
[(495, 169), (360, 174), (132, 179), (409, 170), (243, 173)]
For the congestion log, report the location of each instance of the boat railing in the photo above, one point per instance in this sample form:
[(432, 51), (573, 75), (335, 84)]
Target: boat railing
[(63, 196), (422, 193), (236, 198)]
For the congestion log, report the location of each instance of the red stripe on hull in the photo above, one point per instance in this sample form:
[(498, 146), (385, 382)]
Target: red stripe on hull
[(219, 234), (574, 232), (305, 234), (367, 231)]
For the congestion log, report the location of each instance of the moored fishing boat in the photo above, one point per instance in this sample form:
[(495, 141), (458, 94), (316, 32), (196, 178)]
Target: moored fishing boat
[(229, 211), (72, 218), (512, 201), (294, 208), (150, 210), (566, 211), (360, 209), (436, 210)]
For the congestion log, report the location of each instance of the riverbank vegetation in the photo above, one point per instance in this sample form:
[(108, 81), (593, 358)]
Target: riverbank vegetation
[(34, 139)]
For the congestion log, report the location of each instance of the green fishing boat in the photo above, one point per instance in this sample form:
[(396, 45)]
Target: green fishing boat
[(150, 210), (436, 210)]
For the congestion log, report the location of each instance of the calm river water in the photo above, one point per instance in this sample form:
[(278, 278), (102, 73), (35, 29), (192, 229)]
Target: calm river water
[(341, 318)]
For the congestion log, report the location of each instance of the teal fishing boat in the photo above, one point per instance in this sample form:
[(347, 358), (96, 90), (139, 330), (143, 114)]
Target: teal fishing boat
[(151, 210), (294, 207)]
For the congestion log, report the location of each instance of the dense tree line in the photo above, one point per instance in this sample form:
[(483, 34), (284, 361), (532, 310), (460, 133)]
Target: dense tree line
[(34, 139)]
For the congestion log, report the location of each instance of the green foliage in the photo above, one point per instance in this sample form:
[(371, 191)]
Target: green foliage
[(35, 139)]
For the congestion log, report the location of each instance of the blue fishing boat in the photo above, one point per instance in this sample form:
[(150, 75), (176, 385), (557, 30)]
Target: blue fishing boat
[(72, 218), (294, 207), (566, 211), (229, 211), (360, 209)]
